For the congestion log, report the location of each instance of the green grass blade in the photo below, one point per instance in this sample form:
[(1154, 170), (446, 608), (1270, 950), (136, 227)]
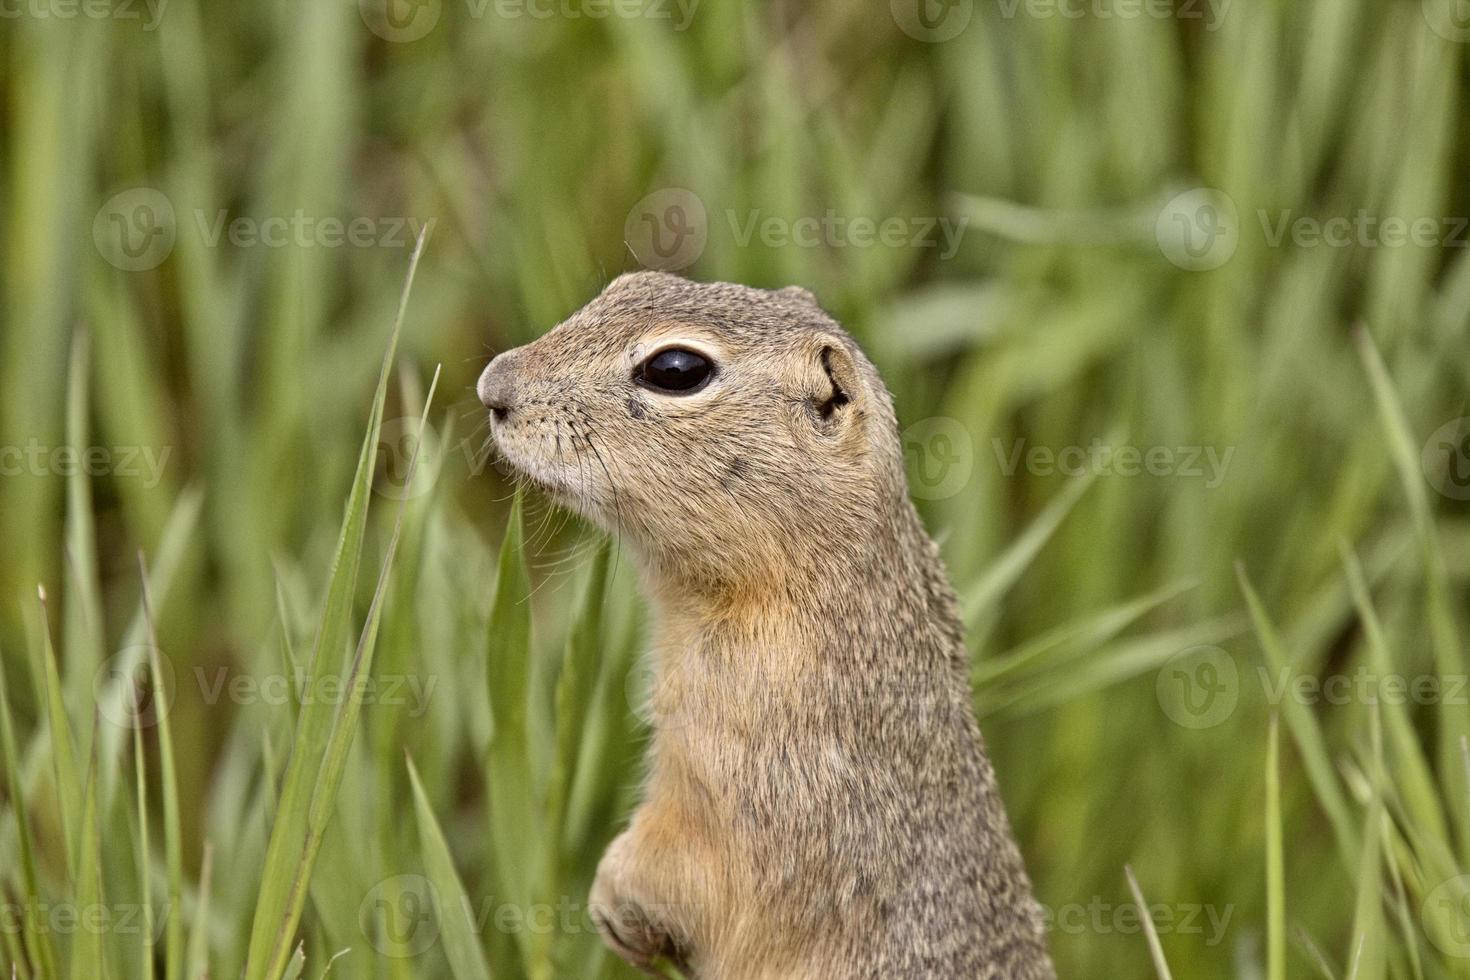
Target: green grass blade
[(1151, 933), (1305, 730), (1416, 781), (145, 854), (1072, 640), (283, 888), (1454, 719), (327, 970), (1400, 900), (1112, 665), (344, 724), (198, 950), (117, 697), (87, 961), (575, 688), (1368, 949), (38, 941), (63, 753), (461, 944), (82, 628), (666, 969), (16, 956), (1275, 865), (173, 846), (296, 965), (515, 816), (980, 599), (1309, 948)]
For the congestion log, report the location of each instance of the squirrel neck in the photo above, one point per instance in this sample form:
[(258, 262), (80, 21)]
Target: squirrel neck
[(863, 619)]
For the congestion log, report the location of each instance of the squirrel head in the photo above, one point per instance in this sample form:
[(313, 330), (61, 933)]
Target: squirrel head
[(733, 436)]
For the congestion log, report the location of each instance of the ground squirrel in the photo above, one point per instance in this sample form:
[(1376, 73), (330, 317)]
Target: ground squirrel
[(819, 803)]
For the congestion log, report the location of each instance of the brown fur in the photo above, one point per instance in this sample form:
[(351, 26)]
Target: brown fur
[(819, 803)]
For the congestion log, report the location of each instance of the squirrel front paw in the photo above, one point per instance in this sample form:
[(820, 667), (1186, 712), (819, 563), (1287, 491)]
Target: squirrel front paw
[(635, 927)]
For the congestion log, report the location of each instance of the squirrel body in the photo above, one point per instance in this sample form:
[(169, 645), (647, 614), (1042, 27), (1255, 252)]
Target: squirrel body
[(819, 803)]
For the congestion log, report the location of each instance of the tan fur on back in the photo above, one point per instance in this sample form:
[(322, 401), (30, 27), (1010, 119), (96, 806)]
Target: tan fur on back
[(819, 802)]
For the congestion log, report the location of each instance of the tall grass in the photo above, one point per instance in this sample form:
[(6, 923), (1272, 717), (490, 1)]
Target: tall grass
[(448, 821)]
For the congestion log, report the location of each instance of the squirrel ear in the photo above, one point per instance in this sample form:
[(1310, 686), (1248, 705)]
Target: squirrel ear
[(799, 294), (836, 387)]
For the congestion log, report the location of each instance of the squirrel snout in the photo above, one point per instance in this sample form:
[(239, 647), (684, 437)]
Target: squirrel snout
[(497, 387)]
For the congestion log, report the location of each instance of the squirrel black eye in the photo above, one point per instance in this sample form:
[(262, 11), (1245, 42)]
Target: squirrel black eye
[(676, 369)]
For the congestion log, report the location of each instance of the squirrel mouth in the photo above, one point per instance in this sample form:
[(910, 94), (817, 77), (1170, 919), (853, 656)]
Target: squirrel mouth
[(561, 463), (531, 473)]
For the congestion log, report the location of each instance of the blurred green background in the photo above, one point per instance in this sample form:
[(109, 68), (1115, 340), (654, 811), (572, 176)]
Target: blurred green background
[(1173, 298)]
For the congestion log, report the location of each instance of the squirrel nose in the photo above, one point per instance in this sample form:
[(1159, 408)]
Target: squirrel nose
[(497, 387)]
